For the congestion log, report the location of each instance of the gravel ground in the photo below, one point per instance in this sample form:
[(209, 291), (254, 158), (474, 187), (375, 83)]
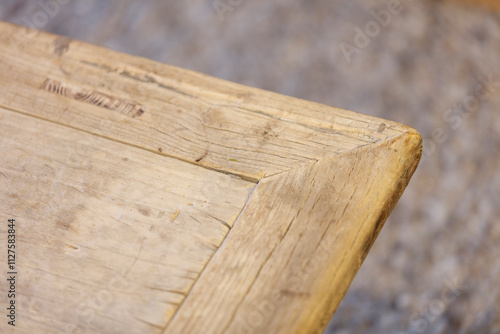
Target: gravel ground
[(434, 65)]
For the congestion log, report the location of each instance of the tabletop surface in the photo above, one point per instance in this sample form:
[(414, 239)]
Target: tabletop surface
[(153, 199)]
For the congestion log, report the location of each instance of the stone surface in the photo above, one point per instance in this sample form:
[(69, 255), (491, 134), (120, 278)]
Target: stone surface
[(436, 265)]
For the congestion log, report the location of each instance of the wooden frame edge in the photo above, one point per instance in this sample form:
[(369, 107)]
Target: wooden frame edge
[(245, 286)]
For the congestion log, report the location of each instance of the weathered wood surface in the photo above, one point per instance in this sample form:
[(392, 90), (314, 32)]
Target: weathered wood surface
[(179, 113), (326, 181), (110, 236)]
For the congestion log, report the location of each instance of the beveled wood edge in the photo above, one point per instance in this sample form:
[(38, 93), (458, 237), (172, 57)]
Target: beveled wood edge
[(327, 279)]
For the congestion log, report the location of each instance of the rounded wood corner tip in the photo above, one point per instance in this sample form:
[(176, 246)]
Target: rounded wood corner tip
[(413, 140), (412, 144)]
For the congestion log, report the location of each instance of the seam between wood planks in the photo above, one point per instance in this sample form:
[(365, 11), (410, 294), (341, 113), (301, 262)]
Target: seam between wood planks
[(224, 172), (163, 329), (301, 115), (385, 210), (211, 104), (276, 175), (163, 154)]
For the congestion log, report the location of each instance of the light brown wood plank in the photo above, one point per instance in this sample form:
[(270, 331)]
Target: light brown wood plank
[(186, 115), (110, 237)]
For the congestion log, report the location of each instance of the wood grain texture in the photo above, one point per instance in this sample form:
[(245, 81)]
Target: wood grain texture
[(110, 237), (326, 181), (186, 115)]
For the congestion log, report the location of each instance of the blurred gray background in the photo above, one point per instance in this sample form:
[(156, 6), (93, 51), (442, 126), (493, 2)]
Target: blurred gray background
[(434, 65)]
